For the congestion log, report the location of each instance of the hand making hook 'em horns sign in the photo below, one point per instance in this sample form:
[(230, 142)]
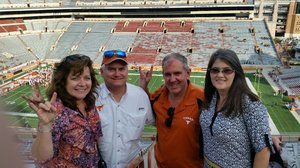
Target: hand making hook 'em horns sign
[(36, 96), (145, 77), (46, 111), (69, 97)]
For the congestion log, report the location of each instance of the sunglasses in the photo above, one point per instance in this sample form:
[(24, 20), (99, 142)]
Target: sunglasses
[(169, 120), (225, 71), (111, 53), (71, 59), (76, 58)]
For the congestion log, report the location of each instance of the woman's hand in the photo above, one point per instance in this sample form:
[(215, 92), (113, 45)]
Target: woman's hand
[(46, 111), (36, 96)]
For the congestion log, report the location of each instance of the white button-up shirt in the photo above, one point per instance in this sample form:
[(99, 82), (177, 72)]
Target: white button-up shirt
[(122, 124)]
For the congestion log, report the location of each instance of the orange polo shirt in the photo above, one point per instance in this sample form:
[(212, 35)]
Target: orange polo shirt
[(178, 146)]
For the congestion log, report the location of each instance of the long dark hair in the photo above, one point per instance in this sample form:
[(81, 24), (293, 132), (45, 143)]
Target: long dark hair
[(238, 89), (72, 64)]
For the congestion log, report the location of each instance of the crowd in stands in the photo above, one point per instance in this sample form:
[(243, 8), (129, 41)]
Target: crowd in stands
[(292, 42), (41, 77), (291, 45)]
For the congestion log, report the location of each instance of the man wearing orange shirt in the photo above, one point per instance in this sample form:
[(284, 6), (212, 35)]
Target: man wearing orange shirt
[(176, 107)]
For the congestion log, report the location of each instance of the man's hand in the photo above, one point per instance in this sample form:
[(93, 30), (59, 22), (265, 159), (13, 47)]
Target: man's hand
[(145, 77), (277, 143)]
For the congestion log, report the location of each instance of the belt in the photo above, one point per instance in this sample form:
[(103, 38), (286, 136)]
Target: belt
[(210, 163)]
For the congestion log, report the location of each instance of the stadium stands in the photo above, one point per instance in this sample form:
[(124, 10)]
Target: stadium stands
[(46, 25), (103, 27), (63, 3), (14, 52), (40, 43), (289, 79), (12, 25), (154, 26), (120, 41), (66, 44), (154, 39)]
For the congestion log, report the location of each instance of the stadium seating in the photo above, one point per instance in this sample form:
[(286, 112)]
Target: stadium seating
[(49, 24), (12, 25), (14, 52), (63, 3), (290, 79), (152, 38), (40, 43)]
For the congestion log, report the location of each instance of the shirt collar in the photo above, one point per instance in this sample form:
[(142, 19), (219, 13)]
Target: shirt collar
[(104, 92)]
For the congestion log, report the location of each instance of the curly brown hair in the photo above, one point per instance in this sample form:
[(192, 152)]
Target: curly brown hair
[(75, 64)]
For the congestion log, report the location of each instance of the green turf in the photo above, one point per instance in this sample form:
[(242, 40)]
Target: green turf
[(282, 118)]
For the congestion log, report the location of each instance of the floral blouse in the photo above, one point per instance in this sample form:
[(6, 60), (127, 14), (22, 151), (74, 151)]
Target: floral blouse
[(75, 138)]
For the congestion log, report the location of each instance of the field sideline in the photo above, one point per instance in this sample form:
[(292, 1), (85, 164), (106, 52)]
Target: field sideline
[(281, 116)]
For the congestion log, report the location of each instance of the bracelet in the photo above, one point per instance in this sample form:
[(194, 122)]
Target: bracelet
[(44, 129)]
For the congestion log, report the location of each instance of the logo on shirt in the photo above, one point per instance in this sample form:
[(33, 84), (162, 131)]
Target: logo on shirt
[(188, 120), (99, 108)]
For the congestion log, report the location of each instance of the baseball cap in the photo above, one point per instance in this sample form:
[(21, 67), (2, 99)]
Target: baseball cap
[(113, 55)]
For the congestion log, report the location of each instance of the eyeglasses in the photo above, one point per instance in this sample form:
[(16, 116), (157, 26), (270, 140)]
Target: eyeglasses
[(76, 61), (225, 71), (111, 53), (169, 120)]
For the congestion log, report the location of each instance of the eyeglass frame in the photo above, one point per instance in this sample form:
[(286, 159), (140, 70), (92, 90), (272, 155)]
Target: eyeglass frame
[(76, 57), (111, 53), (225, 71)]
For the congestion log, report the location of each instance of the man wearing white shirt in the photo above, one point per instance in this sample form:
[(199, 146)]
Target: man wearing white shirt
[(125, 109)]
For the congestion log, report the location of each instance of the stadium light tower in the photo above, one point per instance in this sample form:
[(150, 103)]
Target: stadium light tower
[(258, 75)]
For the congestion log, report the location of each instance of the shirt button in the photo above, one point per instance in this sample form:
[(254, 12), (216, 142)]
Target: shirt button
[(118, 150), (119, 120), (119, 135)]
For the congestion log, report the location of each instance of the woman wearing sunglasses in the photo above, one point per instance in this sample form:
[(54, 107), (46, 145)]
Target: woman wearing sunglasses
[(69, 124), (234, 121)]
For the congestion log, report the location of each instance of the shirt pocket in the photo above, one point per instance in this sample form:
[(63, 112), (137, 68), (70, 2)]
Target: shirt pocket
[(134, 125)]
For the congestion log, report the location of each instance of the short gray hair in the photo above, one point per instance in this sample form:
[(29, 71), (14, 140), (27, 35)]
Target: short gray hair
[(178, 57)]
